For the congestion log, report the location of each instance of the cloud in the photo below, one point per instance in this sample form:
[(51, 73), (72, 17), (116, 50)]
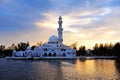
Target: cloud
[(84, 21), (81, 25)]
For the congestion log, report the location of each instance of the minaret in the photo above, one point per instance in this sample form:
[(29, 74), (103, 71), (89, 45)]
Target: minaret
[(60, 29)]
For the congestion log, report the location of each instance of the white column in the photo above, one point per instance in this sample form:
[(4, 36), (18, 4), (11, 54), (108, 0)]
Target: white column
[(60, 29)]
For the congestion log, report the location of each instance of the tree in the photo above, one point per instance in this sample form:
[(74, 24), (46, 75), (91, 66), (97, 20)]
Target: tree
[(39, 43), (96, 49), (116, 49), (2, 47), (81, 51), (12, 47), (32, 48), (73, 45), (110, 49), (22, 46)]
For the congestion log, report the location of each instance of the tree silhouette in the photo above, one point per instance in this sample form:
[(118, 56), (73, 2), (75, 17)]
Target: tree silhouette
[(81, 51), (22, 46), (116, 49)]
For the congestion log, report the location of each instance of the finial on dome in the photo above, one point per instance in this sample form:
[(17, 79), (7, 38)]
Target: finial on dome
[(60, 18)]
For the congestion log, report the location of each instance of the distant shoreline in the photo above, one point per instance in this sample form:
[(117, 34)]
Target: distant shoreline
[(62, 58), (98, 57)]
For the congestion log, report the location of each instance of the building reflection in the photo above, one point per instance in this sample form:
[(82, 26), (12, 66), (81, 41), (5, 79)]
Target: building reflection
[(77, 69), (55, 68)]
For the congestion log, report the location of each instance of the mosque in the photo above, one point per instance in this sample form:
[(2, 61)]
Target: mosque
[(53, 48)]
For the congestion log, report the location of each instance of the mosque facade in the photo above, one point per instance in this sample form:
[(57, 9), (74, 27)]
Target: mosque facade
[(53, 48)]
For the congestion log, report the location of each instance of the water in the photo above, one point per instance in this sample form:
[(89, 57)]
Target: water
[(59, 69)]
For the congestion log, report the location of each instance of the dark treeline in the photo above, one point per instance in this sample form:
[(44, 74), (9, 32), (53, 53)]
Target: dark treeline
[(100, 50), (19, 47), (8, 51)]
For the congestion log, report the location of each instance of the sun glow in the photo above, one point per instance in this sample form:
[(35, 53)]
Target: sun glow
[(75, 27)]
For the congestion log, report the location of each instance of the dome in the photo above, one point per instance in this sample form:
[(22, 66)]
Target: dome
[(53, 38), (28, 48)]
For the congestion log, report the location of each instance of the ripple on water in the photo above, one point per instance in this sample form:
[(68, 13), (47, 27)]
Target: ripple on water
[(59, 69)]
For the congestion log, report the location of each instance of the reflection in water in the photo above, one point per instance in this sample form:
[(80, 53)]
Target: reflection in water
[(117, 63), (80, 66), (90, 67), (96, 69), (50, 70), (59, 69), (87, 66)]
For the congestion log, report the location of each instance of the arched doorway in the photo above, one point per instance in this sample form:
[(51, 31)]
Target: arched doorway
[(54, 54), (45, 54), (64, 54), (49, 54)]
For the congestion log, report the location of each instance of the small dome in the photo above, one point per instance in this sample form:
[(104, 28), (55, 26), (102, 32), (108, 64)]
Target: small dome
[(53, 38), (28, 48)]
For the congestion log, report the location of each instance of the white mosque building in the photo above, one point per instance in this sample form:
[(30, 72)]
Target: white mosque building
[(53, 48)]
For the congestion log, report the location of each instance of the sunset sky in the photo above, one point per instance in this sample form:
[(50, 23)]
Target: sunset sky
[(84, 21)]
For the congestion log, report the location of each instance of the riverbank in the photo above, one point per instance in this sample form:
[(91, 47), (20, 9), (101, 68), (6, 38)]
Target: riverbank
[(62, 58), (98, 57)]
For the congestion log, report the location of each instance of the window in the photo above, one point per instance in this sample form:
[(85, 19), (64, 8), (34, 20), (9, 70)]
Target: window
[(45, 54), (64, 54), (49, 54), (54, 54), (63, 49)]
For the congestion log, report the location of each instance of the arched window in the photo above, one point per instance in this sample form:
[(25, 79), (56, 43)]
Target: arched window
[(64, 54), (45, 54), (49, 54), (64, 49), (54, 54), (23, 54)]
